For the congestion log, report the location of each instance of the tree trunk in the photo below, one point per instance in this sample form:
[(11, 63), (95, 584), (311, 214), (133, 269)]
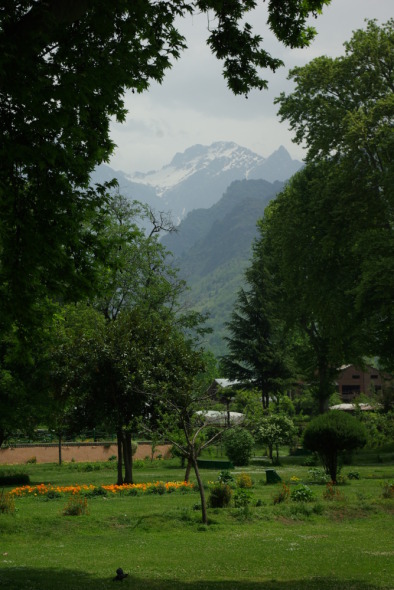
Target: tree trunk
[(128, 458), (3, 436), (119, 440), (330, 461), (325, 388), (202, 493), (325, 371), (60, 447), (265, 399), (188, 470)]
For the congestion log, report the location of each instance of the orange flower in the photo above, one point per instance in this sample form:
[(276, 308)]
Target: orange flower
[(43, 489)]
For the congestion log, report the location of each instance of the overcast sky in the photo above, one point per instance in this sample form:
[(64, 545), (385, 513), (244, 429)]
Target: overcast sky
[(194, 105)]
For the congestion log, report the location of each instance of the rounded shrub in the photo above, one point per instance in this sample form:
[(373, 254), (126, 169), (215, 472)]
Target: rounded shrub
[(220, 495), (76, 506), (332, 433), (244, 480), (302, 493), (226, 477), (388, 489), (238, 444), (7, 503), (159, 488), (242, 498), (52, 494)]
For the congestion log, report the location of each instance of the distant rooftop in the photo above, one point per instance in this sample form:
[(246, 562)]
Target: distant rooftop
[(227, 383), (219, 418), (352, 407)]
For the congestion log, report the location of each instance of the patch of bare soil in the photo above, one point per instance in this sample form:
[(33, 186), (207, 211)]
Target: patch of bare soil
[(84, 452)]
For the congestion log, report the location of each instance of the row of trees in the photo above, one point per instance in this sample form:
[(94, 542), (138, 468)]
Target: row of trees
[(102, 360), (64, 69), (316, 294), (126, 360), (328, 435), (320, 284), (88, 307)]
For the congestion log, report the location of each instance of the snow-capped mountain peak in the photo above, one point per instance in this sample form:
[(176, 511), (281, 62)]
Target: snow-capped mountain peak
[(212, 160), (198, 177)]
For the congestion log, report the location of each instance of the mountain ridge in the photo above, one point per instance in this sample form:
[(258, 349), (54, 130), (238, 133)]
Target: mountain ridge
[(198, 177), (225, 155), (214, 257), (199, 221), (216, 195)]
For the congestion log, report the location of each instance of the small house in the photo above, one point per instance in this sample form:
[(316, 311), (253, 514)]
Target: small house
[(353, 381)]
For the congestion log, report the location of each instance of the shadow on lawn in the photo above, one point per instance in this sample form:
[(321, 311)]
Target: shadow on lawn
[(50, 579)]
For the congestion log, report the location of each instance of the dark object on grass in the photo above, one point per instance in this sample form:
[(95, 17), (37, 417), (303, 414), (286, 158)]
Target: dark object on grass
[(120, 575), (272, 476)]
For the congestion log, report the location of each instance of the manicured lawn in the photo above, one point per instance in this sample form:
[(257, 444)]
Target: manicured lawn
[(159, 540)]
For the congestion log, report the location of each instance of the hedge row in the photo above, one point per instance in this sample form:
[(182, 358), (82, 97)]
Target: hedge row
[(14, 479)]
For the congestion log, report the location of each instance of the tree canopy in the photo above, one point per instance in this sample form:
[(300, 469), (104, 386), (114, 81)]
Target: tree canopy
[(308, 258), (109, 353), (342, 106), (343, 203), (64, 68), (326, 242), (257, 350), (137, 269), (275, 430), (332, 433)]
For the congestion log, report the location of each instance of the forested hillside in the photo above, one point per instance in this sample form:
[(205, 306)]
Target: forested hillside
[(212, 248), (216, 193)]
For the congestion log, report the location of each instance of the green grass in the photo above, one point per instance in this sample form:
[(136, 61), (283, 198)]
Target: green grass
[(160, 542)]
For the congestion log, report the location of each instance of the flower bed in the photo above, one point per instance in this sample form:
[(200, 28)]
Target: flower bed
[(152, 487)]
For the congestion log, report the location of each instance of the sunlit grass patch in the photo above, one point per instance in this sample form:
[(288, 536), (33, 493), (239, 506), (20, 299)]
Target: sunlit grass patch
[(159, 540)]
